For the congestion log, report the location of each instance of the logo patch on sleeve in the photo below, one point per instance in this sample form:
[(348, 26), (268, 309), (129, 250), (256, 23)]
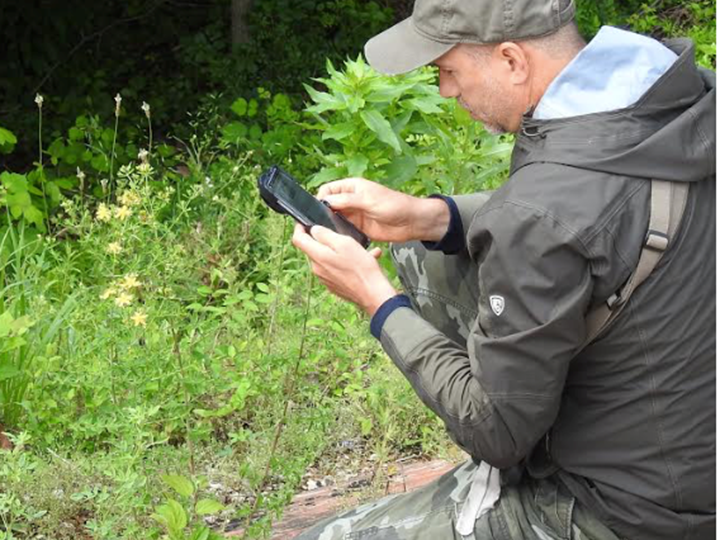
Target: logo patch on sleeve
[(497, 303)]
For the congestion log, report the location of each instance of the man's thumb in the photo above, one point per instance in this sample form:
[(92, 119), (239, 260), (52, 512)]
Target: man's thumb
[(323, 235)]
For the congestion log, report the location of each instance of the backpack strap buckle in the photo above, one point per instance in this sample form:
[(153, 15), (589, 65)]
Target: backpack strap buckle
[(657, 240)]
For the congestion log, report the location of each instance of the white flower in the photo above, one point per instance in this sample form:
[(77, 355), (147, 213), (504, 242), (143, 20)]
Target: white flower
[(143, 155), (139, 318), (122, 213), (114, 248), (104, 184), (39, 100), (80, 175), (103, 212), (118, 101), (146, 109), (123, 299)]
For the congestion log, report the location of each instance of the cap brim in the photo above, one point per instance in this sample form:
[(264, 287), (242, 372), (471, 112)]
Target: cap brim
[(401, 48)]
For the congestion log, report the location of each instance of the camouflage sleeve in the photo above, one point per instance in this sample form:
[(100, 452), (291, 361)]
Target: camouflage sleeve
[(501, 394)]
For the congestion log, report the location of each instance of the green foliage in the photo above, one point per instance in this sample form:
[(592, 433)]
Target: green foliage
[(695, 20), (28, 329), (175, 519), (400, 131), (150, 343), (660, 19), (8, 140)]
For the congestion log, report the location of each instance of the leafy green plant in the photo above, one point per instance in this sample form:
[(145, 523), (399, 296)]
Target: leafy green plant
[(400, 131), (8, 140), (27, 331), (182, 524)]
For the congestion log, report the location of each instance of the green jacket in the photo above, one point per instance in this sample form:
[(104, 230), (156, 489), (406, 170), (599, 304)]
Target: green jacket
[(630, 417)]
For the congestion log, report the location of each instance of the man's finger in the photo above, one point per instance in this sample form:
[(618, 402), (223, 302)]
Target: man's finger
[(337, 186), (343, 201), (328, 238), (346, 185), (306, 243), (376, 252)]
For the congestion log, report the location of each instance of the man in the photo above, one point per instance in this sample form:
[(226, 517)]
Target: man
[(602, 440)]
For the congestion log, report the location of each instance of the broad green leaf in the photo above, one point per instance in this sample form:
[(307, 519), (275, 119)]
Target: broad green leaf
[(33, 215), (75, 134), (357, 165), (426, 105), (13, 182), (389, 92), (204, 290), (179, 483), (401, 169), (201, 533), (7, 136), (21, 200), (172, 516), (100, 163), (234, 131), (328, 174), (382, 128), (324, 101), (240, 106), (255, 132), (339, 131), (8, 371), (21, 325), (52, 191), (205, 507), (6, 326)]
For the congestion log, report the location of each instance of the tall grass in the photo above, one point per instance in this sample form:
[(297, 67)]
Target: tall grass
[(25, 331)]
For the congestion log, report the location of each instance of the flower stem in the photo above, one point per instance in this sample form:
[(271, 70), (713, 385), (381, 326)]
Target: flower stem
[(42, 171), (112, 155)]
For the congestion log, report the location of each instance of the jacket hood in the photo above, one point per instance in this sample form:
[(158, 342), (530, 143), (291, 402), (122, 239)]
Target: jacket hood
[(668, 134)]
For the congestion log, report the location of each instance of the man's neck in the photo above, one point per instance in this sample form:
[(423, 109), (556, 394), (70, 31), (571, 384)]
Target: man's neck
[(548, 70)]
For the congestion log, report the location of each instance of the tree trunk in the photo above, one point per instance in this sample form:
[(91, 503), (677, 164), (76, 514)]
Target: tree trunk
[(240, 29)]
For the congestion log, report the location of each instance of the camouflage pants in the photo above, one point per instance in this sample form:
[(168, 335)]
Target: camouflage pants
[(444, 290)]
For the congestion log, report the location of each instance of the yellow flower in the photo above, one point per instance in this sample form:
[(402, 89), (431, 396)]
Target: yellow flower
[(130, 281), (103, 212), (129, 198), (107, 293), (139, 318), (123, 299), (123, 212), (114, 248)]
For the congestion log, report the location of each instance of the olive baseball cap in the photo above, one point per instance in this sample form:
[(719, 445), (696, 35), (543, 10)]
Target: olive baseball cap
[(436, 26)]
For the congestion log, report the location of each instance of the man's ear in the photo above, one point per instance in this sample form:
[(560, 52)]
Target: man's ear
[(514, 62)]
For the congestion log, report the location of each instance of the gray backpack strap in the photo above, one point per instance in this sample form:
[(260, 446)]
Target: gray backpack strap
[(667, 204)]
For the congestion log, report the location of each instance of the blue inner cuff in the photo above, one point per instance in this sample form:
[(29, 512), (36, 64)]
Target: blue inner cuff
[(454, 240), (384, 311)]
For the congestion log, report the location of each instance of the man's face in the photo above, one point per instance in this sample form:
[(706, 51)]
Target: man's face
[(474, 82)]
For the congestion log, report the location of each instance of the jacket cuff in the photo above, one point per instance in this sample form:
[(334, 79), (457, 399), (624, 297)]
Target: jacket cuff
[(454, 240), (384, 311)]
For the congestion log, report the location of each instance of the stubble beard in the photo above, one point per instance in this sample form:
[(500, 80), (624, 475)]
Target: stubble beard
[(490, 117)]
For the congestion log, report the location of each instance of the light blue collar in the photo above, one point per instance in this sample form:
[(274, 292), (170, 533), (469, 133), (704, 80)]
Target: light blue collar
[(612, 72)]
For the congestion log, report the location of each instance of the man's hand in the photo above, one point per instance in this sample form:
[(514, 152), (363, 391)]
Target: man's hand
[(386, 215), (345, 268)]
